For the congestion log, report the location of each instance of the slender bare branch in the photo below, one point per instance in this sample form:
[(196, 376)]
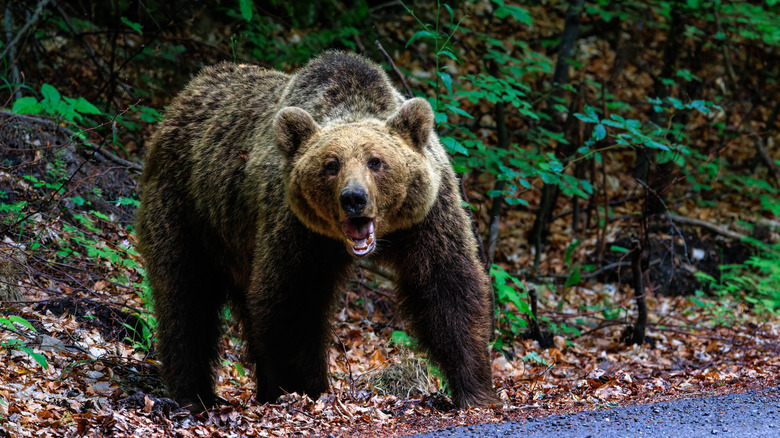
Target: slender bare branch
[(398, 72), (28, 26)]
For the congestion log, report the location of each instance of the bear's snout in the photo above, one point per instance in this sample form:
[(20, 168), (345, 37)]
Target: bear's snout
[(353, 200)]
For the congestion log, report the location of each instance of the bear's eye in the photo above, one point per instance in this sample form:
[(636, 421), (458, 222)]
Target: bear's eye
[(332, 167), (374, 163)]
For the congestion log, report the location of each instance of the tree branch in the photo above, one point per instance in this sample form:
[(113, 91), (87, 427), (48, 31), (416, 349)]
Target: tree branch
[(10, 47), (398, 72), (712, 227)]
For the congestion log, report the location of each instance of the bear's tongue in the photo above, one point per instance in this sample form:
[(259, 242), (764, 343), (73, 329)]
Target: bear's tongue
[(357, 228), (360, 233)]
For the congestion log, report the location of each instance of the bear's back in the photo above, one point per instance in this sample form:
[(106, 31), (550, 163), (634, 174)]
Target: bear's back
[(342, 86)]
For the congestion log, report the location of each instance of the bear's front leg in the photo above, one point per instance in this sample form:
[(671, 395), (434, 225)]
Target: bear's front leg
[(289, 309), (445, 295)]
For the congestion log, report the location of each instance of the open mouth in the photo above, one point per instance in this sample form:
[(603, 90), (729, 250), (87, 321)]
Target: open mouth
[(359, 232)]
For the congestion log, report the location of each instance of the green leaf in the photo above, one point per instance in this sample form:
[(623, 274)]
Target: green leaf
[(454, 146), (50, 95), (574, 278), (770, 203), (21, 321), (515, 201), (616, 248), (8, 324), (401, 338), (517, 13), (26, 105), (460, 169), (676, 103), (590, 115), (449, 9), (150, 115), (246, 9), (599, 132), (84, 106), (419, 34), (450, 55), (655, 145), (447, 80), (572, 246), (458, 111), (38, 357), (64, 109), (100, 215), (132, 25), (128, 201), (701, 106)]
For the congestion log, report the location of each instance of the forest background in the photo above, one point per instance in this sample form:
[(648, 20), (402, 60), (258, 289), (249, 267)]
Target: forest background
[(620, 161)]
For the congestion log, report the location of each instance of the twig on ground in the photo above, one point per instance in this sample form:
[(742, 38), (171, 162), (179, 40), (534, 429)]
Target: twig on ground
[(89, 145), (346, 361), (540, 374), (373, 267), (586, 275), (712, 227)]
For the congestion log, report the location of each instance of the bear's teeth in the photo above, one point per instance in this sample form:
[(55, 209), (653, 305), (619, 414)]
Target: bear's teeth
[(363, 246)]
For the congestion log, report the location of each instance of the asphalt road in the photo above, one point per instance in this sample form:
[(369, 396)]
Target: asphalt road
[(748, 414)]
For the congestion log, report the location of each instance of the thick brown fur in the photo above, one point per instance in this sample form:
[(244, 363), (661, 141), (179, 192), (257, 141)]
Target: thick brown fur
[(243, 202)]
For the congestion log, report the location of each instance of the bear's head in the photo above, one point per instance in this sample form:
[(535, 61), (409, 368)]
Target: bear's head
[(357, 181)]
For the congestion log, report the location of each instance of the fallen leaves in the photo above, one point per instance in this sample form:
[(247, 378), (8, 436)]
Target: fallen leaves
[(83, 393)]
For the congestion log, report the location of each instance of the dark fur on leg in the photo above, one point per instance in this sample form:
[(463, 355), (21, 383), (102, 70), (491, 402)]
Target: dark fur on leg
[(289, 332), (444, 294), (189, 293)]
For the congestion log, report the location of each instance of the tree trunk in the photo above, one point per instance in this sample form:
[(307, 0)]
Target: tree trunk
[(495, 208), (560, 78), (638, 284), (674, 44)]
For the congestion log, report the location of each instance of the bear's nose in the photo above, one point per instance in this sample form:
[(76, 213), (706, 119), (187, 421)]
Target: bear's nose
[(353, 200)]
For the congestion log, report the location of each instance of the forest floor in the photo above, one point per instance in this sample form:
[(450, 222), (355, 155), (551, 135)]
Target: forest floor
[(96, 382)]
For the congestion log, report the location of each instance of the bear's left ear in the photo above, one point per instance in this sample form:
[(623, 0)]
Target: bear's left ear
[(292, 127), (414, 122)]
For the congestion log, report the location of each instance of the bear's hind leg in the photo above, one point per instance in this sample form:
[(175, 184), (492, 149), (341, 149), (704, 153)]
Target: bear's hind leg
[(189, 292), (188, 316)]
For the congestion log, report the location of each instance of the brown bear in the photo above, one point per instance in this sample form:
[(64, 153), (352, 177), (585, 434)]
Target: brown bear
[(262, 188)]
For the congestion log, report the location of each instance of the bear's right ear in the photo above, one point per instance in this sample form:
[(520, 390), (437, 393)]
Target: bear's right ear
[(292, 127)]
